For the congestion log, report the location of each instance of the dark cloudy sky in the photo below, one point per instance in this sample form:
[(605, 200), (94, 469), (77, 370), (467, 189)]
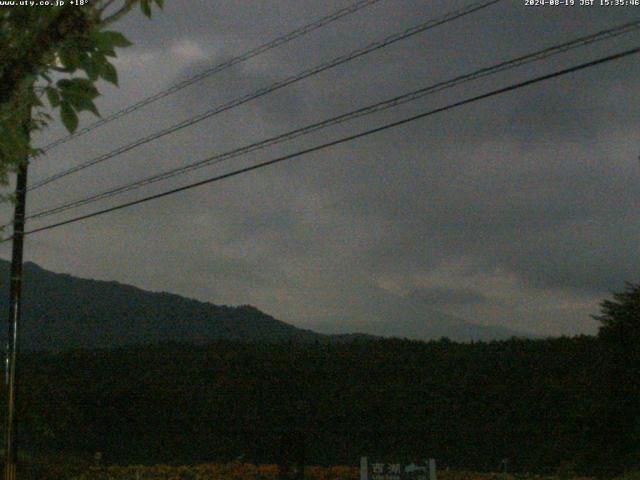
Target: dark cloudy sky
[(519, 211)]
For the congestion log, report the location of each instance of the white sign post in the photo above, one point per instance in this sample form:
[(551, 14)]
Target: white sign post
[(363, 468), (396, 471)]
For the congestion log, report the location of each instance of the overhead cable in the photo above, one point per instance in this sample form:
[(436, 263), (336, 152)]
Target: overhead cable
[(342, 140), (449, 17), (361, 112), (308, 28)]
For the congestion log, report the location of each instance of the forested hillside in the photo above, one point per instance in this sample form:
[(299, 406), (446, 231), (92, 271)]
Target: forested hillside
[(62, 312)]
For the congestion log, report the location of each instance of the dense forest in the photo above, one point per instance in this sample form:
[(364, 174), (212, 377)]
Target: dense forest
[(568, 404)]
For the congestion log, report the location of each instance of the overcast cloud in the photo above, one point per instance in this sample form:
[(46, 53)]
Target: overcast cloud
[(519, 211)]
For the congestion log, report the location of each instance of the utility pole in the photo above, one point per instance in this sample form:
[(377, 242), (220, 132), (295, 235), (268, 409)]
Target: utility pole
[(15, 313)]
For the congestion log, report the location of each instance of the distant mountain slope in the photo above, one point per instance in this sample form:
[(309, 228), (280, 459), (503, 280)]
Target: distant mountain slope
[(385, 314), (62, 311)]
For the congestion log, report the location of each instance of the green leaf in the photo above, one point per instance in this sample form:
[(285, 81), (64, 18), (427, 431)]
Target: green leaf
[(53, 96), (145, 6), (78, 88), (86, 105), (87, 64), (69, 117), (98, 58), (160, 3), (79, 94), (104, 49), (110, 74), (107, 40), (70, 58), (92, 69)]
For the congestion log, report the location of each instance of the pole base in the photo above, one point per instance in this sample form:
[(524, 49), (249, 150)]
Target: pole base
[(10, 471)]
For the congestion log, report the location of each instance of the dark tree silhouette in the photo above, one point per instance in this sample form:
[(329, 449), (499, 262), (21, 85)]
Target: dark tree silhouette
[(620, 317), (614, 425)]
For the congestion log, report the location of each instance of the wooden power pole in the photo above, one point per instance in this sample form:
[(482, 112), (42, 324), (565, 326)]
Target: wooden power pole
[(15, 313)]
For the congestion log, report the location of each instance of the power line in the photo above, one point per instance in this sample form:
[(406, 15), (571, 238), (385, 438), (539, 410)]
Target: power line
[(310, 27), (449, 17), (368, 110), (339, 141)]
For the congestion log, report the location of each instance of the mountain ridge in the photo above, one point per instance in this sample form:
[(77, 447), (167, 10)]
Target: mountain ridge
[(103, 314)]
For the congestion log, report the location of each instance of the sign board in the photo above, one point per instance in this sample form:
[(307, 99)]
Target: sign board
[(397, 471)]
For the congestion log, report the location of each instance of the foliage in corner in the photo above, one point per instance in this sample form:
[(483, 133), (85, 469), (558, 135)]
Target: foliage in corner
[(620, 317), (57, 54)]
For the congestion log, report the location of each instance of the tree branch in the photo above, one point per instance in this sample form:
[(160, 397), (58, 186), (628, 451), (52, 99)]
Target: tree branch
[(114, 17)]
